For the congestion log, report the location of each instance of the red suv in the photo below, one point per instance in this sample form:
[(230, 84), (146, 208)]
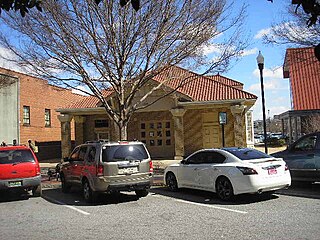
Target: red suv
[(19, 169)]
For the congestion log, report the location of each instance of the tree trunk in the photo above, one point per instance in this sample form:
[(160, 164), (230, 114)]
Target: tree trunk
[(123, 126)]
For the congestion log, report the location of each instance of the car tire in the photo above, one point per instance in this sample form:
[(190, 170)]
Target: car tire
[(37, 191), (171, 182), (224, 189), (142, 193), (64, 185), (88, 193)]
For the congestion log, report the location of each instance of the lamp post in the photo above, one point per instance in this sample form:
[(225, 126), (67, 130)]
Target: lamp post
[(260, 61)]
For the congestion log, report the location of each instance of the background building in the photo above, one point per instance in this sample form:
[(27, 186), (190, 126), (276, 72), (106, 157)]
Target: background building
[(28, 111), (178, 124), (303, 70)]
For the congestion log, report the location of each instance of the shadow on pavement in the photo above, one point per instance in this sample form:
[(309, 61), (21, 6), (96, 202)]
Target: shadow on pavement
[(75, 198), (301, 189), (13, 196), (204, 197)]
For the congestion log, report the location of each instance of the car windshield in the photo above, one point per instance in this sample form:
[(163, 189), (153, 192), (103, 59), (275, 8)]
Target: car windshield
[(124, 152), (247, 153), (15, 156)]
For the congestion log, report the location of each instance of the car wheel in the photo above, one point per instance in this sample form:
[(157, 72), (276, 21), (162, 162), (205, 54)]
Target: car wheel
[(37, 191), (88, 194), (224, 189), (142, 193), (171, 182), (64, 185)]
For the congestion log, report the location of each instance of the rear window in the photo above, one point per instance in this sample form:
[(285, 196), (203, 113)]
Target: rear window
[(124, 152), (15, 156), (247, 153)]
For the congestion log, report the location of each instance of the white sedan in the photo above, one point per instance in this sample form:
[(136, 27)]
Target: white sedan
[(229, 172)]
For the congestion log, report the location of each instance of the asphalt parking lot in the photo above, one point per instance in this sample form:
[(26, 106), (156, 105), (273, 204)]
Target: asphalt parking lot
[(187, 214)]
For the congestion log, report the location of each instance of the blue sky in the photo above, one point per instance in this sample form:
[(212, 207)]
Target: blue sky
[(261, 14)]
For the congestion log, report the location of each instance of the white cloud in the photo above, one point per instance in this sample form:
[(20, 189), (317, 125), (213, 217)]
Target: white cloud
[(276, 72), (5, 56), (80, 89), (248, 52), (262, 32), (212, 48)]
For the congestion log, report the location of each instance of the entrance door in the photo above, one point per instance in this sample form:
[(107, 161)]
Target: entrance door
[(211, 138)]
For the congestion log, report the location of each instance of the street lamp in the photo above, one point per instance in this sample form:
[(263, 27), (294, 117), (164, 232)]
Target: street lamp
[(260, 61)]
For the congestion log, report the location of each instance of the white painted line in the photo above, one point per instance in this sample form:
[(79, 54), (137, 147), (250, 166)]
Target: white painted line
[(202, 204), (211, 206), (67, 206)]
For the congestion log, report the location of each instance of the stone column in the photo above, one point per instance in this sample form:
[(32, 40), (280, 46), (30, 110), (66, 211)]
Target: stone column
[(79, 130), (65, 134), (239, 125), (177, 114)]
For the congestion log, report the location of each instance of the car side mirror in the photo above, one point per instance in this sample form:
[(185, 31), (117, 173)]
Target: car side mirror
[(184, 161)]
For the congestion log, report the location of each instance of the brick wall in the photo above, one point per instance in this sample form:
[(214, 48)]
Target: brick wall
[(39, 95)]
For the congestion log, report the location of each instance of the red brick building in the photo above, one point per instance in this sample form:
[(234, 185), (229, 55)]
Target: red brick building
[(28, 111), (303, 70)]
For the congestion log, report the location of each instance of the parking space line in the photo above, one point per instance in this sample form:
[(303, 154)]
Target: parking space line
[(203, 205), (67, 206)]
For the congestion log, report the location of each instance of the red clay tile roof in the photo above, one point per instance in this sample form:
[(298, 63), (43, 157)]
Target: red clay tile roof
[(303, 69), (196, 87), (227, 81), (201, 88), (90, 101)]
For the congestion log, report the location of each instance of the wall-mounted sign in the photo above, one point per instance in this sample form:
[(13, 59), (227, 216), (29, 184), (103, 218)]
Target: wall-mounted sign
[(222, 118)]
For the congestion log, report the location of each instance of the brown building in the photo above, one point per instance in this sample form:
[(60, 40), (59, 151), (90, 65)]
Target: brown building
[(303, 70), (178, 124), (28, 111)]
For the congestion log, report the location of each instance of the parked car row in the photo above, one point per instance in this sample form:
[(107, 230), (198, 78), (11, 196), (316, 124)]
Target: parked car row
[(100, 166)]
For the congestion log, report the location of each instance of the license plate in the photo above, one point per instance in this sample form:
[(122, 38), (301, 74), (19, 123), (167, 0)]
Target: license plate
[(128, 170), (15, 184), (272, 171)]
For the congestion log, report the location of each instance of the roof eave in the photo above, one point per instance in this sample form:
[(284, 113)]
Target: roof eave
[(81, 111), (218, 102)]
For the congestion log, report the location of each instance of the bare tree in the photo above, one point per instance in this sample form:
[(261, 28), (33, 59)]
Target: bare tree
[(76, 43), (296, 30), (311, 124)]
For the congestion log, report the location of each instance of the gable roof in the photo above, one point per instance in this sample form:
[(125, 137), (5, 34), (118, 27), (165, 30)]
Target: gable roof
[(227, 81), (201, 88), (303, 69), (194, 86)]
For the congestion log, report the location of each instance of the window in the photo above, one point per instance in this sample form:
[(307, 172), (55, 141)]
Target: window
[(306, 144), (196, 158), (26, 115), (91, 154), (101, 123), (47, 118), (214, 157), (156, 133)]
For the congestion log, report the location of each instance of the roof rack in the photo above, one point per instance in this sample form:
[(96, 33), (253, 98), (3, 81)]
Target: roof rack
[(98, 141)]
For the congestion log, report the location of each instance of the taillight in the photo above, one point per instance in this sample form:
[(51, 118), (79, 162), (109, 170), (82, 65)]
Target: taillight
[(150, 166), (38, 170), (247, 171), (286, 168), (99, 170)]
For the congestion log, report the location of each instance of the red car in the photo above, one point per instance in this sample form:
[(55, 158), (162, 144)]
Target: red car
[(19, 169)]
